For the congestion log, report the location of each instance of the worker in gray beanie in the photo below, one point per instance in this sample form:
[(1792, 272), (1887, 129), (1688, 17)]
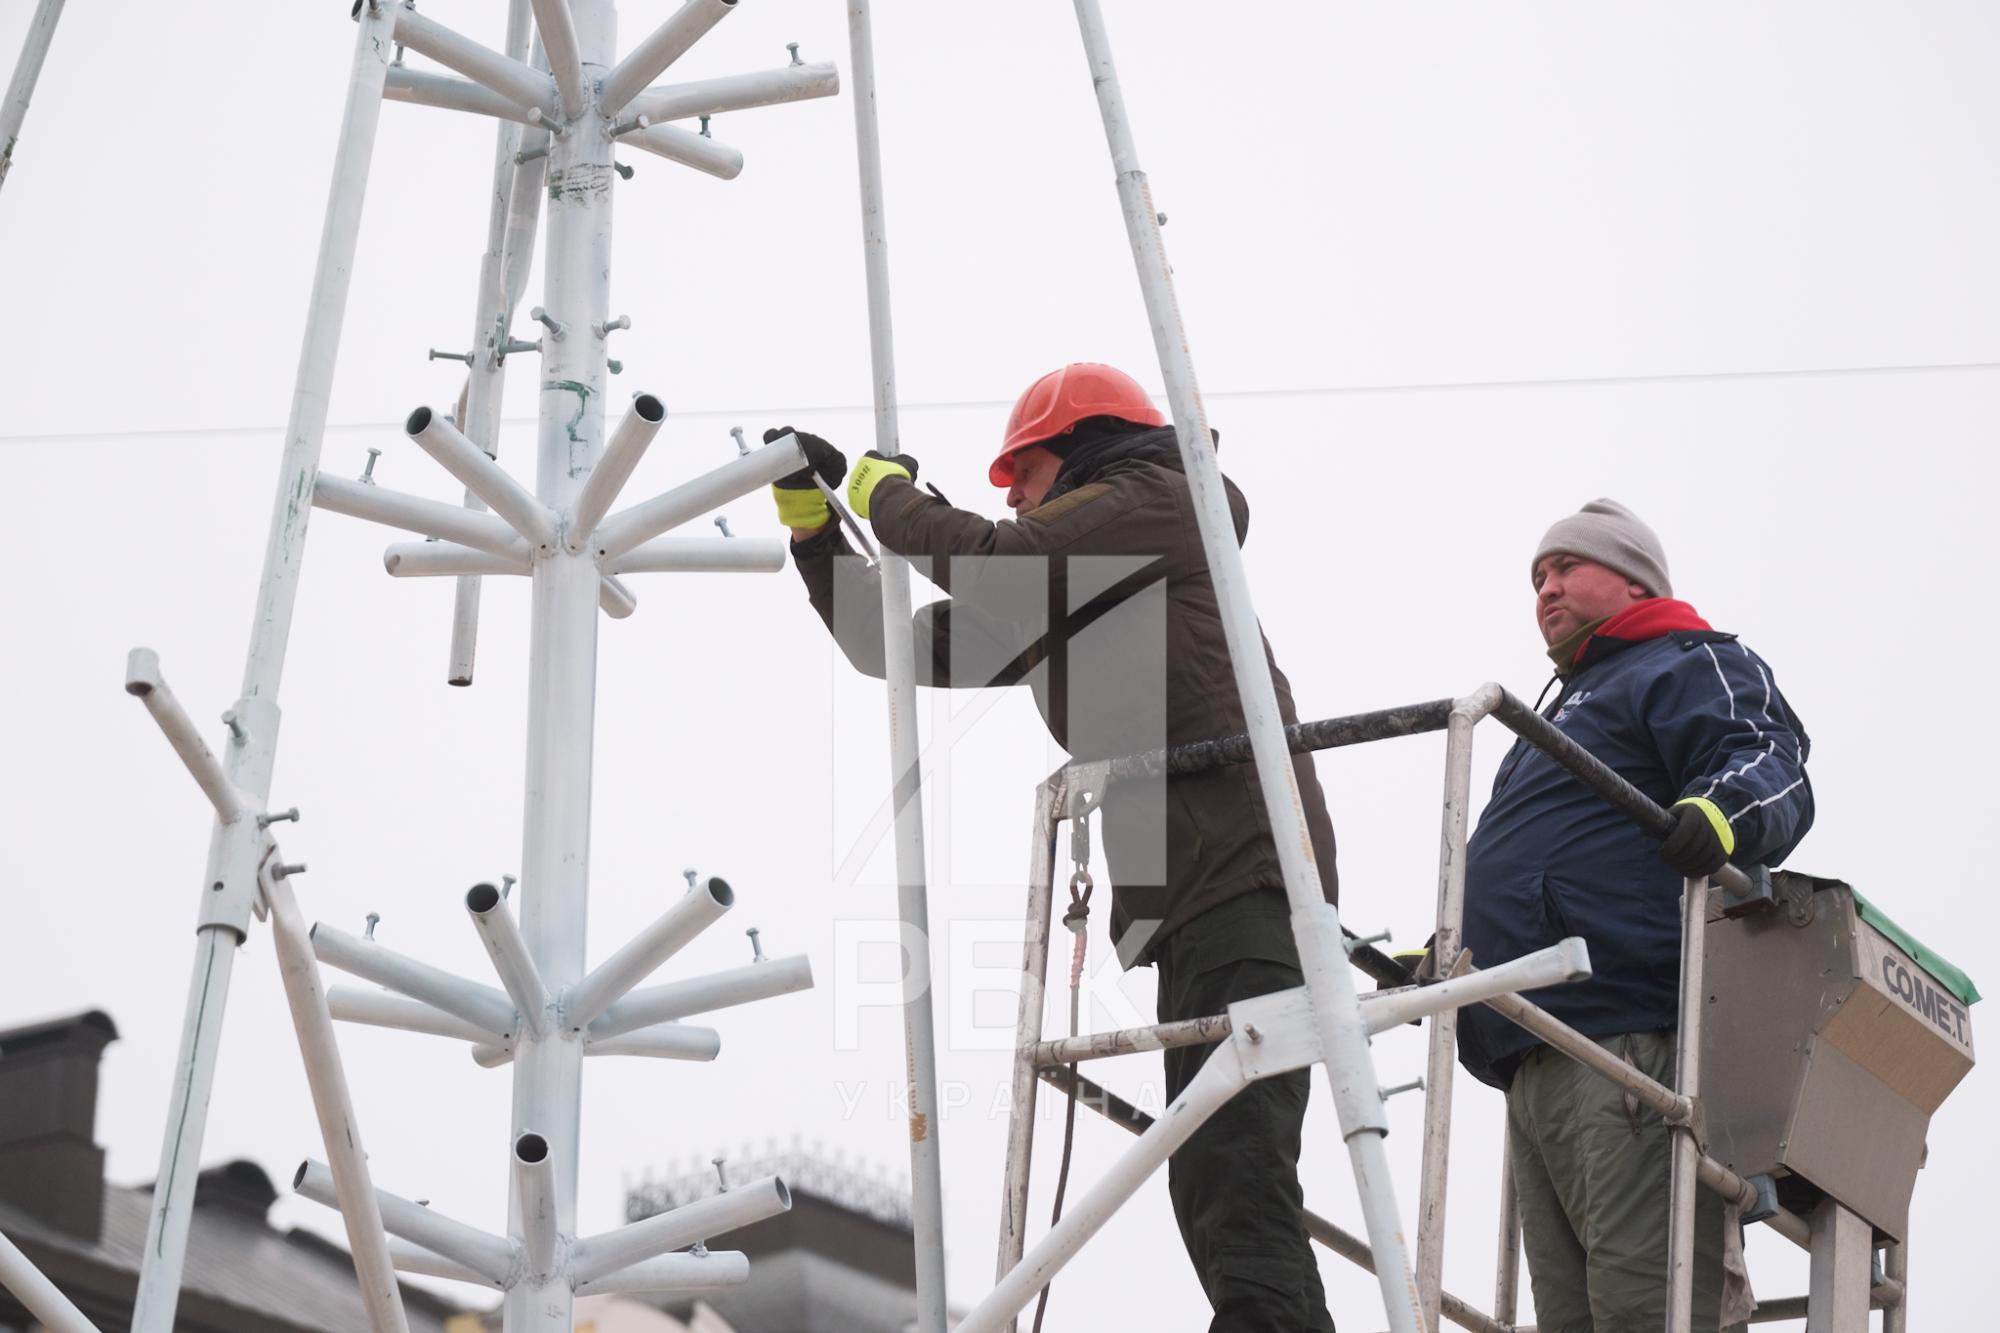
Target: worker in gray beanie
[(1615, 537)]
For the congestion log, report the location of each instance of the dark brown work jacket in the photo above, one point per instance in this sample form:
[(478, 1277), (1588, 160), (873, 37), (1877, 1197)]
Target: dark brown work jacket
[(1135, 660)]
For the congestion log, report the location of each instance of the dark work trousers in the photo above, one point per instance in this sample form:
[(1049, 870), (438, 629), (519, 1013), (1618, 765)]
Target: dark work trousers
[(1235, 1183)]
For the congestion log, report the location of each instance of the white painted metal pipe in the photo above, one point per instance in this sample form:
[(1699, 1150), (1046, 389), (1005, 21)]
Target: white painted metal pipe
[(421, 560), (482, 1006), (333, 1105), (1507, 1265), (687, 148), (1441, 1057), (736, 92), (1220, 1078), (413, 1258), (513, 210), (732, 481), (530, 88), (1683, 1190), (702, 995), (697, 910), (702, 555), (900, 689), (594, 1257), (710, 1269), (482, 476), (490, 1256), (234, 849), (432, 518), (143, 680), (21, 88), (628, 445), (43, 1298), (1564, 961), (386, 1009), (1315, 923), (615, 598), (1050, 799), (423, 88), (552, 21), (534, 1188), (667, 43), (509, 953), (663, 1041)]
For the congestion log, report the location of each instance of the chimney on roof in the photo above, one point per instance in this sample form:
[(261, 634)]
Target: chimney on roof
[(49, 1166)]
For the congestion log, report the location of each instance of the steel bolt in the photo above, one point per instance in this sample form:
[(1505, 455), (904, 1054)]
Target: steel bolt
[(282, 871), (615, 366), (435, 355), (1160, 218), (704, 128), (690, 875), (557, 329), (721, 1174), (368, 468), (1252, 1033), (603, 327), (1415, 1085), (756, 945), (271, 817), (507, 883), (1366, 940), (623, 171), (374, 920), (722, 522), (793, 47), (742, 445), (236, 731)]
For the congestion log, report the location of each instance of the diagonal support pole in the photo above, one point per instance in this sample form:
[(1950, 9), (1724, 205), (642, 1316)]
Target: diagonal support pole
[(14, 110), (1357, 1095), (234, 849)]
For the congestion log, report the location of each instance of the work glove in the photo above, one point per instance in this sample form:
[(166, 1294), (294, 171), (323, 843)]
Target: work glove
[(872, 471), (800, 503), (1701, 840)]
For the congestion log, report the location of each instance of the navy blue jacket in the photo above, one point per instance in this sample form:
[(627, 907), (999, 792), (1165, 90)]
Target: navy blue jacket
[(1686, 712)]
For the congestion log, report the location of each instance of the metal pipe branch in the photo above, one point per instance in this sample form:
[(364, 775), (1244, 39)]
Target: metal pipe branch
[(733, 480), (703, 1270), (558, 32), (535, 1197), (704, 154), (527, 87), (423, 560), (144, 681), (482, 1006), (666, 44), (509, 952), (700, 995), (606, 983), (386, 1009), (702, 555), (482, 476), (628, 445), (596, 1256), (431, 518), (423, 88), (492, 1257), (736, 92)]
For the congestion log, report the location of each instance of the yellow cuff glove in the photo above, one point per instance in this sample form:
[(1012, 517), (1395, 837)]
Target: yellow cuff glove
[(801, 509), (871, 471)]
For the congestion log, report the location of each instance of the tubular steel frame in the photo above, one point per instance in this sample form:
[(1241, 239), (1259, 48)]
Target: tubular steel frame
[(550, 1010), (1841, 1292)]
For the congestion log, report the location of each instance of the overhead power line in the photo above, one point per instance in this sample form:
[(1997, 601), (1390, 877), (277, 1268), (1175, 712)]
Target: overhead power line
[(1332, 390)]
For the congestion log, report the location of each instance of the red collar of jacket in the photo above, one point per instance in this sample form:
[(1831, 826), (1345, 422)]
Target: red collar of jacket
[(1650, 619)]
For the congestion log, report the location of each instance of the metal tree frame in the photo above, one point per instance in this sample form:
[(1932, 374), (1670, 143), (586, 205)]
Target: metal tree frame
[(563, 102), (1842, 1289)]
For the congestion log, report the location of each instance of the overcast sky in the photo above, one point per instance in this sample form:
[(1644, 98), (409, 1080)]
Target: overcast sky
[(1372, 212)]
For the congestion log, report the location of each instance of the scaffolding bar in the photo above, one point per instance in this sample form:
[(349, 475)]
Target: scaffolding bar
[(670, 932), (702, 555), (675, 144), (596, 1256), (21, 88), (531, 89), (482, 1006), (733, 480), (704, 1271), (1130, 1041), (509, 952), (1682, 1193), (432, 518), (900, 688), (1300, 737), (628, 445), (492, 1257), (386, 1009), (412, 1258), (558, 32), (421, 87), (479, 474)]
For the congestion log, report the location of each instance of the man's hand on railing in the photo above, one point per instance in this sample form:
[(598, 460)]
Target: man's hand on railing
[(1701, 840)]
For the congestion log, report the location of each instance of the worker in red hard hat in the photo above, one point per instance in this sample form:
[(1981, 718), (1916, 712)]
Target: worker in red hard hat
[(1097, 596)]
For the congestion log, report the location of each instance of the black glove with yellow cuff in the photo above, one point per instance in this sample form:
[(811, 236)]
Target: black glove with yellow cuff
[(801, 504), (1701, 840)]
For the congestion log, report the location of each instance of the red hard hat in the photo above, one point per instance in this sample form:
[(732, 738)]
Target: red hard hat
[(1060, 399)]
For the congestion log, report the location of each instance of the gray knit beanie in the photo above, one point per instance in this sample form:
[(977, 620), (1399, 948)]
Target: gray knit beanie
[(1615, 537)]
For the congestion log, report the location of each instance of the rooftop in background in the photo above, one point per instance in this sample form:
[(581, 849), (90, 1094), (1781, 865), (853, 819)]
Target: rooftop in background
[(243, 1274)]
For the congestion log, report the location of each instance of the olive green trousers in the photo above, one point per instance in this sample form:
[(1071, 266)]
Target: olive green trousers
[(1591, 1170)]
